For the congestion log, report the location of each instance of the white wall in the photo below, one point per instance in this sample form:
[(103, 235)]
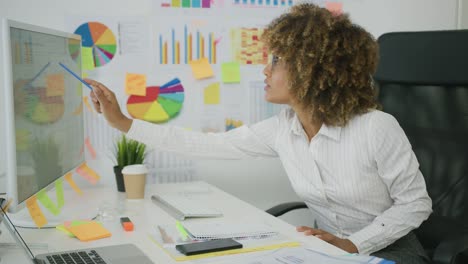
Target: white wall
[(463, 14), (260, 182)]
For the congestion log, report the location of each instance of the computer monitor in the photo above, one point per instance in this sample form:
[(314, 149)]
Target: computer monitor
[(42, 125)]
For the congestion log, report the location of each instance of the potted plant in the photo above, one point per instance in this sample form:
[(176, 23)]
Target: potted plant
[(128, 152)]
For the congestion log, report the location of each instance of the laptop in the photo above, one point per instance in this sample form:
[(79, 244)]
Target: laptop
[(117, 254)]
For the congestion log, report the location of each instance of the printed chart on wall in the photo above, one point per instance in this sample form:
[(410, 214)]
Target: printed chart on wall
[(160, 104), (191, 3), (180, 43), (98, 44)]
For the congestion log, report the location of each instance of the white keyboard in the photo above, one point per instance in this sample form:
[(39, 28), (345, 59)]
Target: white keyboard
[(184, 207)]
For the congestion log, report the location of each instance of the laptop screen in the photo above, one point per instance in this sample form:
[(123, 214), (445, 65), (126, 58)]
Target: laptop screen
[(14, 232)]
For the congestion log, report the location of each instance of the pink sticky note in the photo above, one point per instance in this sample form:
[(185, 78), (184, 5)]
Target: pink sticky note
[(334, 7), (90, 148)]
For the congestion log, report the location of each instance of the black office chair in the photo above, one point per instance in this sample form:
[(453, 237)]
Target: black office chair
[(422, 79)]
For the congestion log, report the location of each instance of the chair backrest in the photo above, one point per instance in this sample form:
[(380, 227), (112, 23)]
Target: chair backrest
[(423, 82)]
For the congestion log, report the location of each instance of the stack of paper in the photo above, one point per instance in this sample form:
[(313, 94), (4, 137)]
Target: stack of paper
[(205, 231)]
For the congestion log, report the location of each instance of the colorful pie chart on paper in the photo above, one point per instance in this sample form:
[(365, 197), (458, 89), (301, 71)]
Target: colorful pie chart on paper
[(160, 104), (98, 45)]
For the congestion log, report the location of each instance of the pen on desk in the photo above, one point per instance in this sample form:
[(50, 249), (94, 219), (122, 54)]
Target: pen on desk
[(182, 230), (76, 76), (165, 237)]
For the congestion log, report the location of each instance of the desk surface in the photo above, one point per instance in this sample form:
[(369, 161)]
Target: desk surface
[(146, 216)]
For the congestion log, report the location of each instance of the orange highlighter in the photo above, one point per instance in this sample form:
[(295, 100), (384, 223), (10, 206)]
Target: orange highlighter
[(126, 223)]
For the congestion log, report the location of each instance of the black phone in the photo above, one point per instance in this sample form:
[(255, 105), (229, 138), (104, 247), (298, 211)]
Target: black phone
[(208, 246)]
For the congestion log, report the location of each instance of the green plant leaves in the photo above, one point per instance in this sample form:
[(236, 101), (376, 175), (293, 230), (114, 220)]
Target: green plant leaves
[(130, 152)]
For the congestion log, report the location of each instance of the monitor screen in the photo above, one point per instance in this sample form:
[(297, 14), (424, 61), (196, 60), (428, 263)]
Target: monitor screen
[(43, 107)]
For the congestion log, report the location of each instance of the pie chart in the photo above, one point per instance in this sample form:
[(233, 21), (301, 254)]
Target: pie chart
[(98, 45), (160, 104)]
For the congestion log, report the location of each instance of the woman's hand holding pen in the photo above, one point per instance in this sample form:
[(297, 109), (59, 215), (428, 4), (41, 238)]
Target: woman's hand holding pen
[(105, 102)]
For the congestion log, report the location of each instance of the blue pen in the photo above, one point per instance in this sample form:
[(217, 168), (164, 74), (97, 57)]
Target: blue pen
[(76, 76)]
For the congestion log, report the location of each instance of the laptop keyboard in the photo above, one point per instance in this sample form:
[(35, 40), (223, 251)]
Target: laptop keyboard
[(80, 257)]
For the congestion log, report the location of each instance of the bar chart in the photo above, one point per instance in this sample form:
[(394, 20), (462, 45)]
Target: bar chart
[(192, 45), (187, 3)]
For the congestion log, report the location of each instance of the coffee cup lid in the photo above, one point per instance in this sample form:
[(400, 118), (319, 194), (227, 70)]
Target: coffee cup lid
[(135, 169)]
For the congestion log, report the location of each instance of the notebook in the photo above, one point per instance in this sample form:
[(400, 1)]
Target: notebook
[(203, 231)]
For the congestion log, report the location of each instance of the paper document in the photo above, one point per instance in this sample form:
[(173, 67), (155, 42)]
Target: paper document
[(300, 255), (167, 237)]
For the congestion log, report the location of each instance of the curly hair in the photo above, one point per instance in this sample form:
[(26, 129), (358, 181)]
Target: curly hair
[(330, 62)]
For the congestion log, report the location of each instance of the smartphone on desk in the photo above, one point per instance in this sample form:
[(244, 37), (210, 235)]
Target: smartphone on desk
[(208, 246)]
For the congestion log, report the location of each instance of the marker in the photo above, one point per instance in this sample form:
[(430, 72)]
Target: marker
[(182, 230), (76, 76), (126, 223)]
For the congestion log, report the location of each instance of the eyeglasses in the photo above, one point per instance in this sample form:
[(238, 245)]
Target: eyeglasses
[(274, 60)]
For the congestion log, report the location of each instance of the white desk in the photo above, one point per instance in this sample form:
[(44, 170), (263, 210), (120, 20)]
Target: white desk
[(146, 215)]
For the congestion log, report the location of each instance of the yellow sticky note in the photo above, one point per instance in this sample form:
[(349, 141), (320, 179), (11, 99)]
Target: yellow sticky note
[(201, 68), (59, 193), (334, 7), (47, 202), (230, 72), (135, 84), (55, 85), (69, 179), (90, 148), (86, 102), (212, 94), (87, 58), (90, 231), (36, 212)]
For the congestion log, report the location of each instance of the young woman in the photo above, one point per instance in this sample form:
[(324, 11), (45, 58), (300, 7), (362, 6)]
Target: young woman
[(352, 164)]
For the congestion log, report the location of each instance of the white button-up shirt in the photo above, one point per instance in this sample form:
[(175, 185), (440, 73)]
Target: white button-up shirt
[(362, 181)]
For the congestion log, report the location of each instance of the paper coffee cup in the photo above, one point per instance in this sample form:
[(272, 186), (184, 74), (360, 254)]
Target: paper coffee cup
[(134, 180)]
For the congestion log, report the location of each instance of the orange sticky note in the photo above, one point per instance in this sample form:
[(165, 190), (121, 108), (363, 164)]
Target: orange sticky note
[(69, 179), (90, 231), (36, 212), (336, 8), (87, 173), (201, 68), (135, 84), (55, 84), (86, 102), (90, 148), (78, 110)]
